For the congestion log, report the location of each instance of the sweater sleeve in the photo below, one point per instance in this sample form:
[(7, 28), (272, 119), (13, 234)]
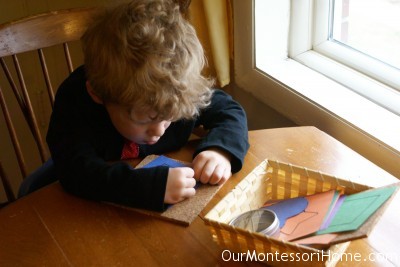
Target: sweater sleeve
[(84, 174), (226, 123), (79, 150)]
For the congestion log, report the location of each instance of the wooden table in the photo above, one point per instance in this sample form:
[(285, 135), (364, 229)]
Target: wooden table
[(50, 227)]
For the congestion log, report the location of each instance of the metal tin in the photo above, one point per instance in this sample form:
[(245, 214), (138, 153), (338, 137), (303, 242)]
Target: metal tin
[(262, 221)]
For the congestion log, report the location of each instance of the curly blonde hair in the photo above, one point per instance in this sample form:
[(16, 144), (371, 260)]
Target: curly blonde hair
[(144, 54)]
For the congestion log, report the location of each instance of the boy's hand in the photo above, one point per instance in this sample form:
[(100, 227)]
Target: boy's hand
[(212, 166), (180, 185)]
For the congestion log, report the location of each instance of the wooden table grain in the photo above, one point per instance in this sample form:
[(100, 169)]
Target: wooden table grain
[(53, 228)]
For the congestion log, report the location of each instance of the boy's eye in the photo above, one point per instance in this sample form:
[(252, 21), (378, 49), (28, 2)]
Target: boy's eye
[(141, 122), (136, 119)]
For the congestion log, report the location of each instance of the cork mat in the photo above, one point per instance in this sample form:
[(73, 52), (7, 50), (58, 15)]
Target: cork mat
[(186, 211)]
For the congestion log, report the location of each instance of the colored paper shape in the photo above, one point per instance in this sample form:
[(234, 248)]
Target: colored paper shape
[(311, 219), (164, 161), (333, 212), (332, 205), (287, 208), (292, 225), (357, 208)]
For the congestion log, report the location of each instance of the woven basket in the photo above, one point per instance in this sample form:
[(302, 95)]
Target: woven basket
[(274, 180)]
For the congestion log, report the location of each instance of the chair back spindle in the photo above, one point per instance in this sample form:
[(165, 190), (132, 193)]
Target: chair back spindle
[(7, 187), (19, 41)]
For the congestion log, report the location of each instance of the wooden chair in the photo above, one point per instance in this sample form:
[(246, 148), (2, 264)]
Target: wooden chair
[(7, 187), (35, 35), (17, 39)]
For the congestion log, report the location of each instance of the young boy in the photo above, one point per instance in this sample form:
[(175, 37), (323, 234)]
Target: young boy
[(141, 92)]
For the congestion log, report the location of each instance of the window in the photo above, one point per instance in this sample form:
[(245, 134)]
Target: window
[(339, 41), (371, 27), (291, 55)]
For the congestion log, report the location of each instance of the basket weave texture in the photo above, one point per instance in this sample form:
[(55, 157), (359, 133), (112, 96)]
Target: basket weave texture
[(273, 180)]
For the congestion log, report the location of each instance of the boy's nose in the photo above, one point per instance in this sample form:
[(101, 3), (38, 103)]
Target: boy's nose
[(157, 129)]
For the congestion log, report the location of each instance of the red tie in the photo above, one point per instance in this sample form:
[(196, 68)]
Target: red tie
[(130, 150)]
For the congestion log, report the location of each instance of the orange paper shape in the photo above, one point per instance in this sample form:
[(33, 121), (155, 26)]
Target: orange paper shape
[(311, 219)]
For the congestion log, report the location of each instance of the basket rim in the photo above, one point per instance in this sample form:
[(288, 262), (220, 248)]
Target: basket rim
[(266, 163)]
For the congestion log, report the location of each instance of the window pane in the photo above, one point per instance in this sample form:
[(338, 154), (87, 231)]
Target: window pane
[(369, 26)]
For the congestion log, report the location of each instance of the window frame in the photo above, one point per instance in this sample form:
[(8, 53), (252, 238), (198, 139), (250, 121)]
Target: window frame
[(306, 96), (372, 78)]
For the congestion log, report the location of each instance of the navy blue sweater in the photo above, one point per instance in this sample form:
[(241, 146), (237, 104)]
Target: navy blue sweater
[(83, 143)]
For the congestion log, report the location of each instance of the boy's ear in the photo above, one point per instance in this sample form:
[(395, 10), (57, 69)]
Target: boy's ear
[(92, 94)]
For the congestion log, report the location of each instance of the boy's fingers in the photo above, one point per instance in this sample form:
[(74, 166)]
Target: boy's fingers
[(197, 172), (188, 192), (188, 172), (216, 175), (198, 166), (190, 182), (227, 175), (207, 172)]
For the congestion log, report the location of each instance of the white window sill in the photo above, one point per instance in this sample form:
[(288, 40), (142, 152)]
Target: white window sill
[(379, 123), (309, 98)]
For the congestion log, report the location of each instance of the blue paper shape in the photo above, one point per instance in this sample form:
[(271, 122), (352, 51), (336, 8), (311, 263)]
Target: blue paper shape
[(288, 208), (164, 161)]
